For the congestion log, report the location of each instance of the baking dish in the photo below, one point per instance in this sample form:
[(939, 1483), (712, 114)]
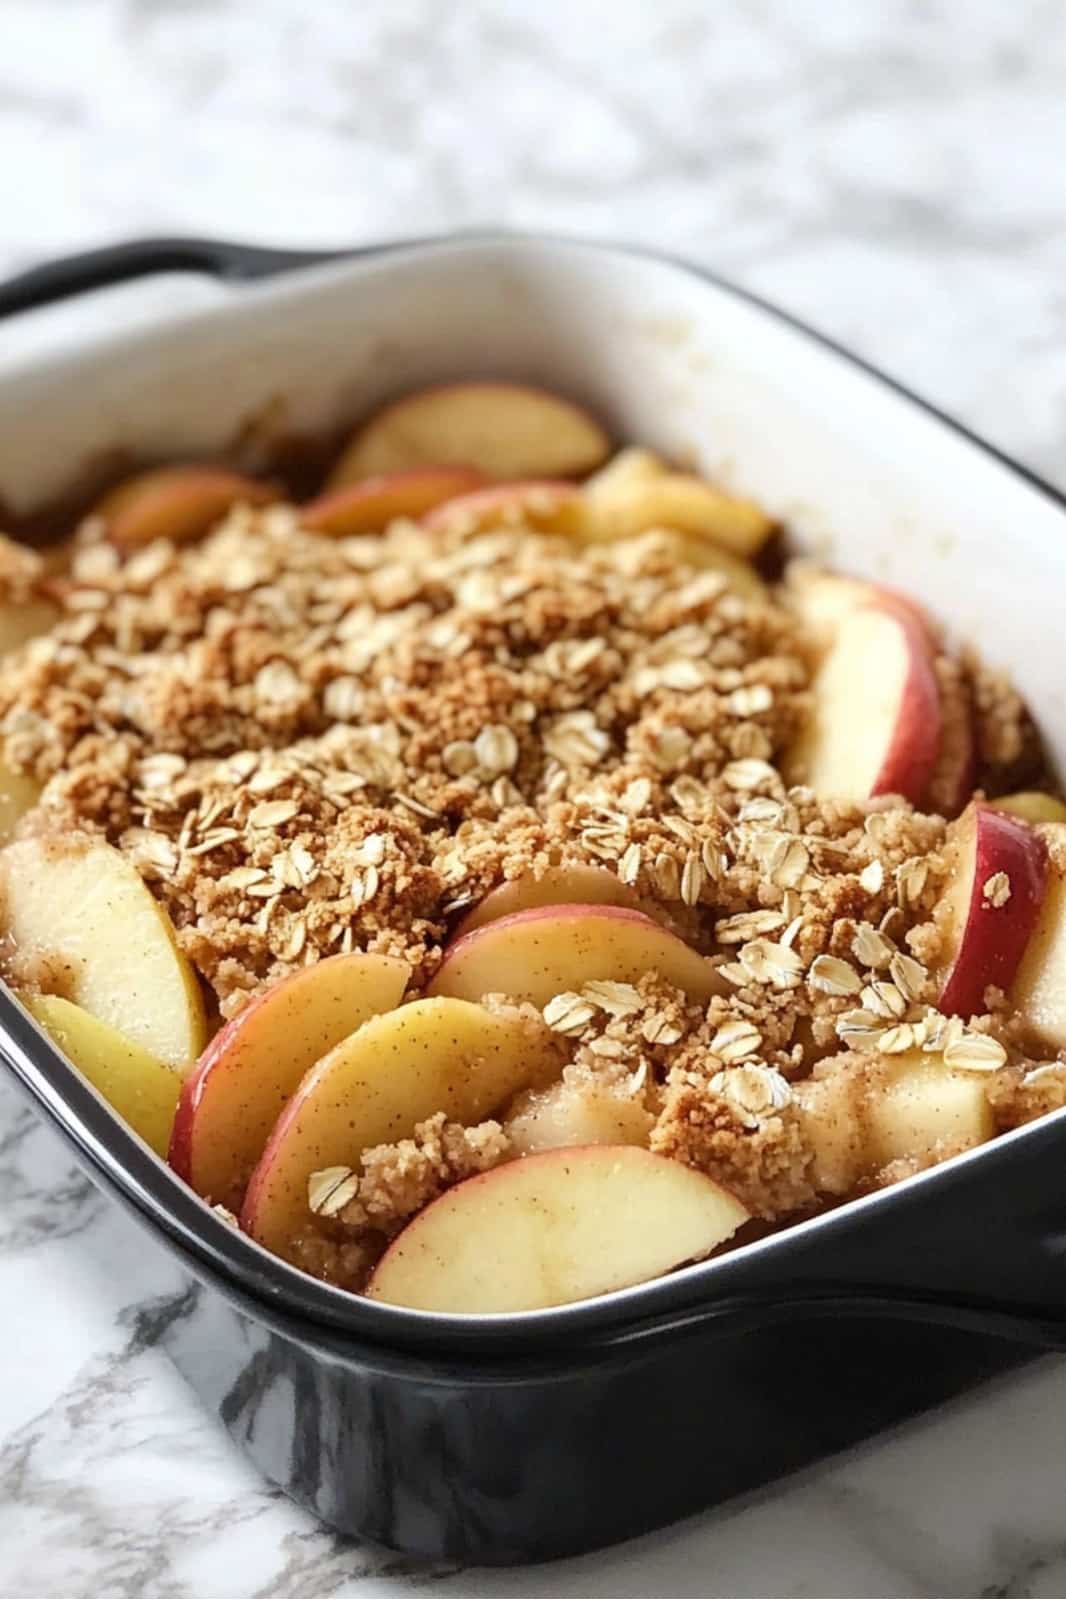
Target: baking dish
[(504, 1439)]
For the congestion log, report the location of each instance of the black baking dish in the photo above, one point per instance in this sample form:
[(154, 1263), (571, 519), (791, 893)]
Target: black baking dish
[(515, 1439)]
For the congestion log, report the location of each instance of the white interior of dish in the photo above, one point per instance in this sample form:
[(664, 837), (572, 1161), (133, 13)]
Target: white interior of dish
[(863, 477)]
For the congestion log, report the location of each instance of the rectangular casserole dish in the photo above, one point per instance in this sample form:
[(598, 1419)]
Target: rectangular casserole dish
[(508, 1439)]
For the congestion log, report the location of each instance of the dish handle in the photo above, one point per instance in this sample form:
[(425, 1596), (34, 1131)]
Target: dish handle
[(140, 258)]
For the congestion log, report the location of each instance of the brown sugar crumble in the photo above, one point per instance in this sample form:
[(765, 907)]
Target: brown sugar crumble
[(362, 1208), (311, 745)]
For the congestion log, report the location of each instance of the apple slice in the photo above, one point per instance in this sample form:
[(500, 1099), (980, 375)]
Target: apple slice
[(134, 1083), (822, 600), (875, 722), (1032, 806), (505, 430), (865, 1114), (990, 907), (232, 1100), (544, 505), (830, 1112), (575, 1114), (918, 1107), (1038, 992), (548, 950), (75, 909), (630, 466), (558, 886), (372, 503), (377, 1085), (178, 503), (554, 1228), (684, 502), (18, 794)]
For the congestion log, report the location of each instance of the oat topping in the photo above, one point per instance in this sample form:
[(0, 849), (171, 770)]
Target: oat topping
[(329, 1190), (752, 1090), (833, 976), (909, 976), (736, 1040), (975, 1052)]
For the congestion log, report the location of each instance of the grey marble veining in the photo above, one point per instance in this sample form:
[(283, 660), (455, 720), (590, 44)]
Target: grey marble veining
[(892, 171)]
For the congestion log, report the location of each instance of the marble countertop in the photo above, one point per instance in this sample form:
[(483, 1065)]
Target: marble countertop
[(893, 172)]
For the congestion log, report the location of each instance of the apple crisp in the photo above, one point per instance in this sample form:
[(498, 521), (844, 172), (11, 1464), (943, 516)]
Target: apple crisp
[(313, 738)]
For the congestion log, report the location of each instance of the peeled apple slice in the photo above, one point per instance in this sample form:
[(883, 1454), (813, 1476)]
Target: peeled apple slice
[(505, 430), (77, 909), (135, 1083)]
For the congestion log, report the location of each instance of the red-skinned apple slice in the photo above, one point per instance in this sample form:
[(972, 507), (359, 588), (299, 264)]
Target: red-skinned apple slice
[(377, 1085), (178, 503), (557, 886), (242, 1081), (1038, 993), (372, 503), (875, 721), (506, 430), (543, 505), (537, 954), (991, 905), (553, 1228), (823, 599)]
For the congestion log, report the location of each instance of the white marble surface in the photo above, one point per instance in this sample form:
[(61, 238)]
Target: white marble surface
[(892, 171)]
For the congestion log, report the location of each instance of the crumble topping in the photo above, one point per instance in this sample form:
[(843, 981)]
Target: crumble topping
[(310, 745), (742, 1130), (954, 760), (393, 1181), (1008, 744), (365, 1206), (1022, 1091)]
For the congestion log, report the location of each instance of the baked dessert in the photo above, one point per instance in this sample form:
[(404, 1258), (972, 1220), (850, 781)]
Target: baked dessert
[(503, 879)]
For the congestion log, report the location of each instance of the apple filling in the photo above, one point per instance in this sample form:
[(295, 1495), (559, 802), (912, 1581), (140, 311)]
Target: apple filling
[(487, 885)]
